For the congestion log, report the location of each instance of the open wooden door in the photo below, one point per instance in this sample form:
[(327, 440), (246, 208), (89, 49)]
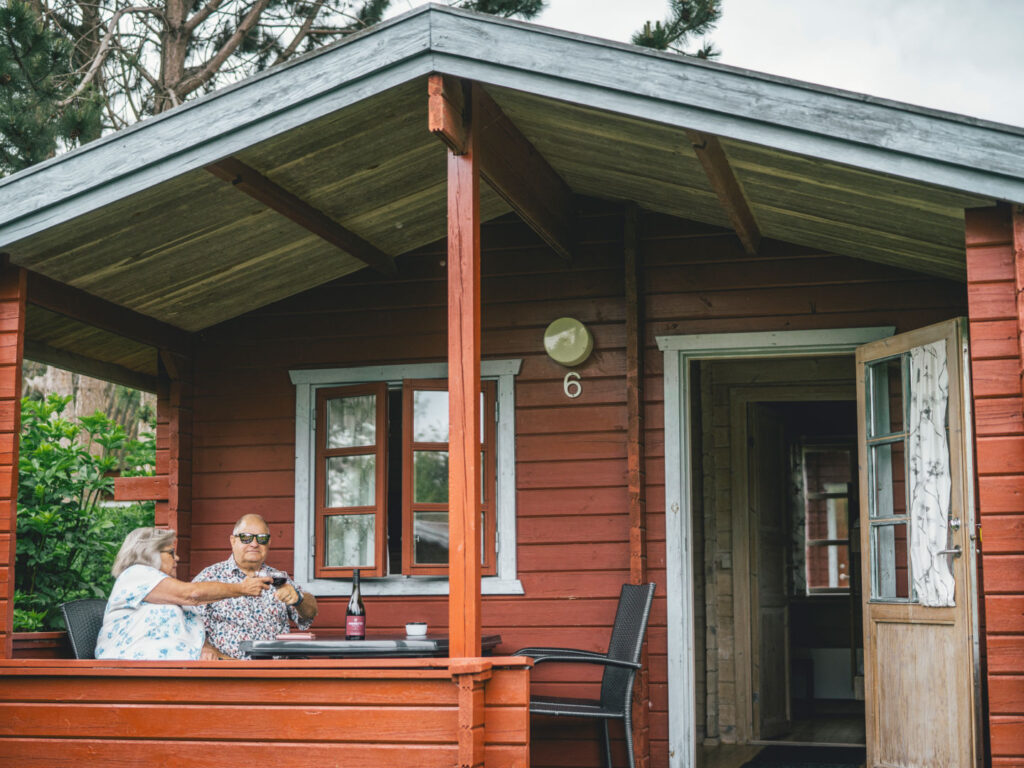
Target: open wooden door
[(918, 571), (769, 539)]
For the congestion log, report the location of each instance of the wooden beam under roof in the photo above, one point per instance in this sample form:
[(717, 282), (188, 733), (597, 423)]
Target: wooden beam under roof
[(725, 184), (509, 163), (92, 310), (259, 187), (98, 369)]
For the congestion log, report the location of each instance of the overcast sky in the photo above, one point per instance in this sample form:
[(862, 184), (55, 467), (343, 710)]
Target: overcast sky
[(963, 56)]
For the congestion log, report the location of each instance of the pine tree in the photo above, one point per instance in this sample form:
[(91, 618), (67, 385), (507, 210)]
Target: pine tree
[(38, 113), (687, 19)]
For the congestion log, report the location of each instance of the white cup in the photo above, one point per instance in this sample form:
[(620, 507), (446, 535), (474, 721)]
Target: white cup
[(416, 629)]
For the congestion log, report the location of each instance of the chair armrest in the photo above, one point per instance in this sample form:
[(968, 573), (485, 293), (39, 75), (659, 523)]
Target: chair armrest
[(572, 654)]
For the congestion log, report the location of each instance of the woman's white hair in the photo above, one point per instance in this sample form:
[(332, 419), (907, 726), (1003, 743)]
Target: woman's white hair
[(143, 546)]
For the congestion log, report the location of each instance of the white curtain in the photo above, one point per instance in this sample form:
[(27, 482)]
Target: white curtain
[(929, 478)]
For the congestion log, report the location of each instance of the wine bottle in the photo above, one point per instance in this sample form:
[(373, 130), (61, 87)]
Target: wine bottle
[(355, 615)]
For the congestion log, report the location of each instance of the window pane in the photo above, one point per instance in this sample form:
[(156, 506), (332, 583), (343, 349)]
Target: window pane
[(890, 577), (828, 567), (352, 421), (430, 538), (885, 384), (352, 481), (827, 519), (825, 469), (430, 416), (888, 480), (350, 540), (430, 477)]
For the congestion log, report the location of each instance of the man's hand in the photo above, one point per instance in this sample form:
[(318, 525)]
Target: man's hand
[(287, 594), (209, 653), (254, 585)]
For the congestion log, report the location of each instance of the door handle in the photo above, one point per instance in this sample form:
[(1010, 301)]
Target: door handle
[(955, 551)]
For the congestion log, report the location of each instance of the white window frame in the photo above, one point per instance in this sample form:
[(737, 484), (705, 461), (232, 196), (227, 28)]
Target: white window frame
[(308, 382)]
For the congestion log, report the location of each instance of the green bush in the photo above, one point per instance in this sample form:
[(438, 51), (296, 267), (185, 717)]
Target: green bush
[(66, 541)]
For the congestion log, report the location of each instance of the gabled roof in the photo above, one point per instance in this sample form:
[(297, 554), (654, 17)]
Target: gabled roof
[(136, 219)]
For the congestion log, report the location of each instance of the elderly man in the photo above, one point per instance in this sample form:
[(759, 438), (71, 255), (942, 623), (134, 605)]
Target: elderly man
[(229, 622)]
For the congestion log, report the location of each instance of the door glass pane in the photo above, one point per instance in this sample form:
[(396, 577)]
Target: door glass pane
[(430, 416), (828, 519), (888, 480), (430, 477), (823, 470), (430, 538), (885, 397), (352, 421), (890, 577), (350, 540), (828, 567), (352, 481)]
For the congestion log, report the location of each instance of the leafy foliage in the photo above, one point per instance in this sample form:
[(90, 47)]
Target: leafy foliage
[(687, 19), (66, 541), (39, 110)]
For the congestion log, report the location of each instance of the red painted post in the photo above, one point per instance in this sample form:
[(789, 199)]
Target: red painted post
[(464, 399), (12, 344)]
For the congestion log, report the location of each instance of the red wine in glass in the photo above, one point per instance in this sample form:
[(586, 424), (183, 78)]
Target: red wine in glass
[(279, 579)]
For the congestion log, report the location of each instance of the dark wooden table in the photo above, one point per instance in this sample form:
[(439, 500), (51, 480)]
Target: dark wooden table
[(331, 645)]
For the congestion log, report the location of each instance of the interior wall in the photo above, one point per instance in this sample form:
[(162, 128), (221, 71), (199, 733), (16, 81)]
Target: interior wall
[(723, 379)]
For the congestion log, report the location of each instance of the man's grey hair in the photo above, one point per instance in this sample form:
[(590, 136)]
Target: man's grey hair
[(251, 516), (142, 546)]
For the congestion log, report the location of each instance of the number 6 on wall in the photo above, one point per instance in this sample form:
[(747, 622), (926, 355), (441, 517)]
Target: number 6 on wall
[(571, 384)]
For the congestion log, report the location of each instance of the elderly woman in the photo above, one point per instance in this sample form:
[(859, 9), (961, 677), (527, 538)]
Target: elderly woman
[(149, 614)]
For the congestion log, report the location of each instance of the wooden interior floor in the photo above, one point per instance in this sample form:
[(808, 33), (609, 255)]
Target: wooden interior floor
[(828, 730), (727, 755)]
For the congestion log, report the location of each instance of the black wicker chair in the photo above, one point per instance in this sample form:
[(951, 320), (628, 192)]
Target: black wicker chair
[(84, 619), (621, 663)]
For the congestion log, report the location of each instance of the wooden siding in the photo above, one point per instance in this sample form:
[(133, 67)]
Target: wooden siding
[(380, 714), (572, 499), (995, 364), (12, 339)]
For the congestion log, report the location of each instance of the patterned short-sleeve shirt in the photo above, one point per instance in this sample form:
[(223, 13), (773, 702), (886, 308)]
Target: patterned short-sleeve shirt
[(229, 622), (135, 629)]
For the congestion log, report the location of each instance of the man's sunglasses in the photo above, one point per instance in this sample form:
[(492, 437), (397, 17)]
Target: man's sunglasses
[(261, 538)]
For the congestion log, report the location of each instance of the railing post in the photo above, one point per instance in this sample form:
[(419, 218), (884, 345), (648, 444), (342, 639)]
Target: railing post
[(12, 345)]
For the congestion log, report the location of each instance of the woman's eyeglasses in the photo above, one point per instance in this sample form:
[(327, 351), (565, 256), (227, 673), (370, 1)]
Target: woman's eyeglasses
[(168, 552), (261, 538)]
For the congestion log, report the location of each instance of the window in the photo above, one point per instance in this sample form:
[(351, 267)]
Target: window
[(371, 474), (827, 482)]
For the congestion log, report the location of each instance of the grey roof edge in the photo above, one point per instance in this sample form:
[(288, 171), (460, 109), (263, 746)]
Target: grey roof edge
[(969, 155)]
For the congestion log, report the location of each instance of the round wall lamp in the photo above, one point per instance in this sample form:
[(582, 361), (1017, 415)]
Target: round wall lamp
[(567, 341)]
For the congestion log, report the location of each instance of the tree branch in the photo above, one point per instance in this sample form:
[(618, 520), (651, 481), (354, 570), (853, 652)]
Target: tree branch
[(192, 82), (102, 52), (301, 34), (201, 16)]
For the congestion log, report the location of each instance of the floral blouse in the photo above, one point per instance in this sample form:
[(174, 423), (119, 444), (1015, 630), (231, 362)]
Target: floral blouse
[(229, 622), (135, 629)]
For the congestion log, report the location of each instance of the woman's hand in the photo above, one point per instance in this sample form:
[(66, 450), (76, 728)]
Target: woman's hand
[(254, 585)]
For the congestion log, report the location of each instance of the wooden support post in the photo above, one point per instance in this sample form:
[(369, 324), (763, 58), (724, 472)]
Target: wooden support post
[(471, 677), (464, 399), (636, 478), (174, 451), (12, 341), (1018, 271)]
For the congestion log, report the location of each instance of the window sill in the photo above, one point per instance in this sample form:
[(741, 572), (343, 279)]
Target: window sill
[(406, 586)]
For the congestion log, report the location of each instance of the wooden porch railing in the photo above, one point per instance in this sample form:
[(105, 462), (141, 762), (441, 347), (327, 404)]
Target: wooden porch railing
[(381, 713)]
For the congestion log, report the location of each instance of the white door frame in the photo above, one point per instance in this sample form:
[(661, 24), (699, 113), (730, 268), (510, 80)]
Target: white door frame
[(679, 352)]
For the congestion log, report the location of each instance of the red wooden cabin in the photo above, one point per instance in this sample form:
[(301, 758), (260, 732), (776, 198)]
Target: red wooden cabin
[(319, 234)]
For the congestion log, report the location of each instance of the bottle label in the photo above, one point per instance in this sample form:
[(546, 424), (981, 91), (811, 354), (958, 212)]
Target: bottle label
[(355, 626)]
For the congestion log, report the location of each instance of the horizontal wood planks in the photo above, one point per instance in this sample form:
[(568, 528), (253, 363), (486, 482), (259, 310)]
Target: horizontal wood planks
[(386, 713), (572, 501), (12, 340), (996, 366)]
